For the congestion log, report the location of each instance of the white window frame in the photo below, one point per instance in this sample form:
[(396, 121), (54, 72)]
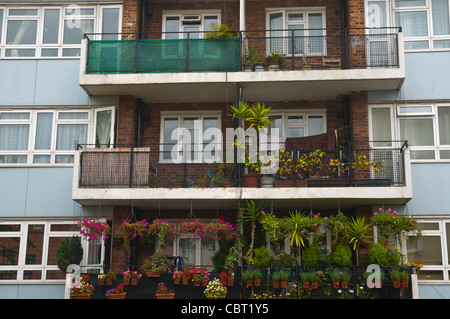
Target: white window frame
[(180, 14), (52, 152), (60, 46), (305, 115), (305, 11), (441, 232), (396, 116), (200, 117), (43, 267), (430, 38)]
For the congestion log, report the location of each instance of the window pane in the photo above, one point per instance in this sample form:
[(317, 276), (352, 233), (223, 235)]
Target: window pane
[(8, 274), (277, 123), (21, 32), (295, 119), (426, 109), (110, 23), (208, 250), (64, 227), (427, 249), (441, 44), (295, 132), (172, 25), (409, 3), (416, 45), (23, 53), (23, 12), (10, 228), (14, 137), (41, 159), (169, 126), (377, 15), (64, 159), (428, 226), (315, 125), (208, 21), (295, 17), (79, 11), (73, 115), (51, 26), (44, 124), (70, 52), (276, 37), (381, 126), (1, 24), (103, 129), (32, 274), (189, 120), (414, 24), (441, 23), (418, 132), (69, 135), (210, 122), (430, 275), (95, 252), (35, 244), (15, 116), (422, 155), (49, 53), (187, 250), (444, 125), (444, 154), (13, 159), (447, 235), (9, 252), (75, 29)]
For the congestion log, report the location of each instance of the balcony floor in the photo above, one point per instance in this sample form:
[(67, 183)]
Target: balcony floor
[(261, 86)]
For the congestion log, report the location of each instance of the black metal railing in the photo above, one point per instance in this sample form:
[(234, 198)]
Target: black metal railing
[(195, 166), (154, 52)]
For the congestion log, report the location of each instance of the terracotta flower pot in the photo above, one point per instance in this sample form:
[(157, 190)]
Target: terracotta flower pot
[(176, 281), (405, 283), (134, 281), (276, 284), (396, 283), (306, 284), (151, 273), (80, 296), (116, 296), (249, 283), (101, 281), (165, 296), (184, 281), (314, 284), (283, 284), (126, 281), (344, 284), (256, 282), (230, 282), (335, 284)]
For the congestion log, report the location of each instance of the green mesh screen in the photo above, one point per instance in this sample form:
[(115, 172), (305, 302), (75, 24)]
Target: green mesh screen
[(196, 55)]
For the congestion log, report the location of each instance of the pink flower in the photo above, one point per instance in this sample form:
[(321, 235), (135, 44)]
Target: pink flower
[(262, 212)]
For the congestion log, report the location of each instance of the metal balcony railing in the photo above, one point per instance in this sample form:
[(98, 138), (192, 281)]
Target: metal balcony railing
[(195, 166), (342, 48)]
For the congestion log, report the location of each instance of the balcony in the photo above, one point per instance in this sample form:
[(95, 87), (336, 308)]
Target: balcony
[(152, 178), (197, 69)]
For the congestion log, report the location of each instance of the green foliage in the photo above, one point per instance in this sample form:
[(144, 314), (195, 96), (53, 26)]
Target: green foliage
[(278, 230), (358, 230), (158, 263), (69, 252), (220, 31), (378, 254), (311, 255), (276, 57), (262, 257), (297, 221), (338, 226), (280, 275), (342, 256), (251, 213)]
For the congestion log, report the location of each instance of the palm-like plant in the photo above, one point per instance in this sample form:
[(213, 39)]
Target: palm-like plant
[(298, 222), (359, 229), (240, 110), (252, 213), (259, 116)]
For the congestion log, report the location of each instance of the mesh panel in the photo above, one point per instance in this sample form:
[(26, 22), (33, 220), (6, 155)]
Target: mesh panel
[(197, 55)]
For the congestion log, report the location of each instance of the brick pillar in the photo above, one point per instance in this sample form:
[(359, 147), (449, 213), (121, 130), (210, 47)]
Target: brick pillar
[(126, 126), (359, 119), (130, 17), (119, 254), (356, 34)]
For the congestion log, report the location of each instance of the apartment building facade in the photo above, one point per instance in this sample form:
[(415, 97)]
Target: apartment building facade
[(96, 96)]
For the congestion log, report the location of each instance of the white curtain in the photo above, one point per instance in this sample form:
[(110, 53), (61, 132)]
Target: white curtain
[(14, 137), (44, 126), (444, 125), (414, 24), (381, 126), (441, 22), (103, 129), (418, 132), (69, 135), (276, 35)]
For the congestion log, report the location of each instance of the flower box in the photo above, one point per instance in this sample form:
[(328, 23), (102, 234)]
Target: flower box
[(81, 296), (116, 296), (165, 296)]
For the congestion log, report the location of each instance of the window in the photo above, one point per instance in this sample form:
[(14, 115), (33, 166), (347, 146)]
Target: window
[(425, 127), (52, 32), (293, 124), (297, 32), (194, 25), (432, 249), (51, 136), (190, 138), (193, 249), (27, 252), (425, 23)]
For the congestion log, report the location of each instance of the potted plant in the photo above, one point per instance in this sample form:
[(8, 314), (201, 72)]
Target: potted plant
[(92, 229), (215, 290), (80, 288), (185, 277), (179, 183), (281, 277), (177, 274), (127, 277), (250, 58), (156, 265), (135, 276), (220, 31), (203, 182), (200, 277), (404, 277), (314, 277), (306, 278), (395, 276), (162, 292), (275, 60), (101, 279), (116, 293), (110, 277), (257, 274), (248, 277), (69, 252), (335, 278), (344, 279)]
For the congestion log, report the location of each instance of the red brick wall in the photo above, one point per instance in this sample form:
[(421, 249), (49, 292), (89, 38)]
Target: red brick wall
[(126, 125), (130, 16), (359, 119)]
